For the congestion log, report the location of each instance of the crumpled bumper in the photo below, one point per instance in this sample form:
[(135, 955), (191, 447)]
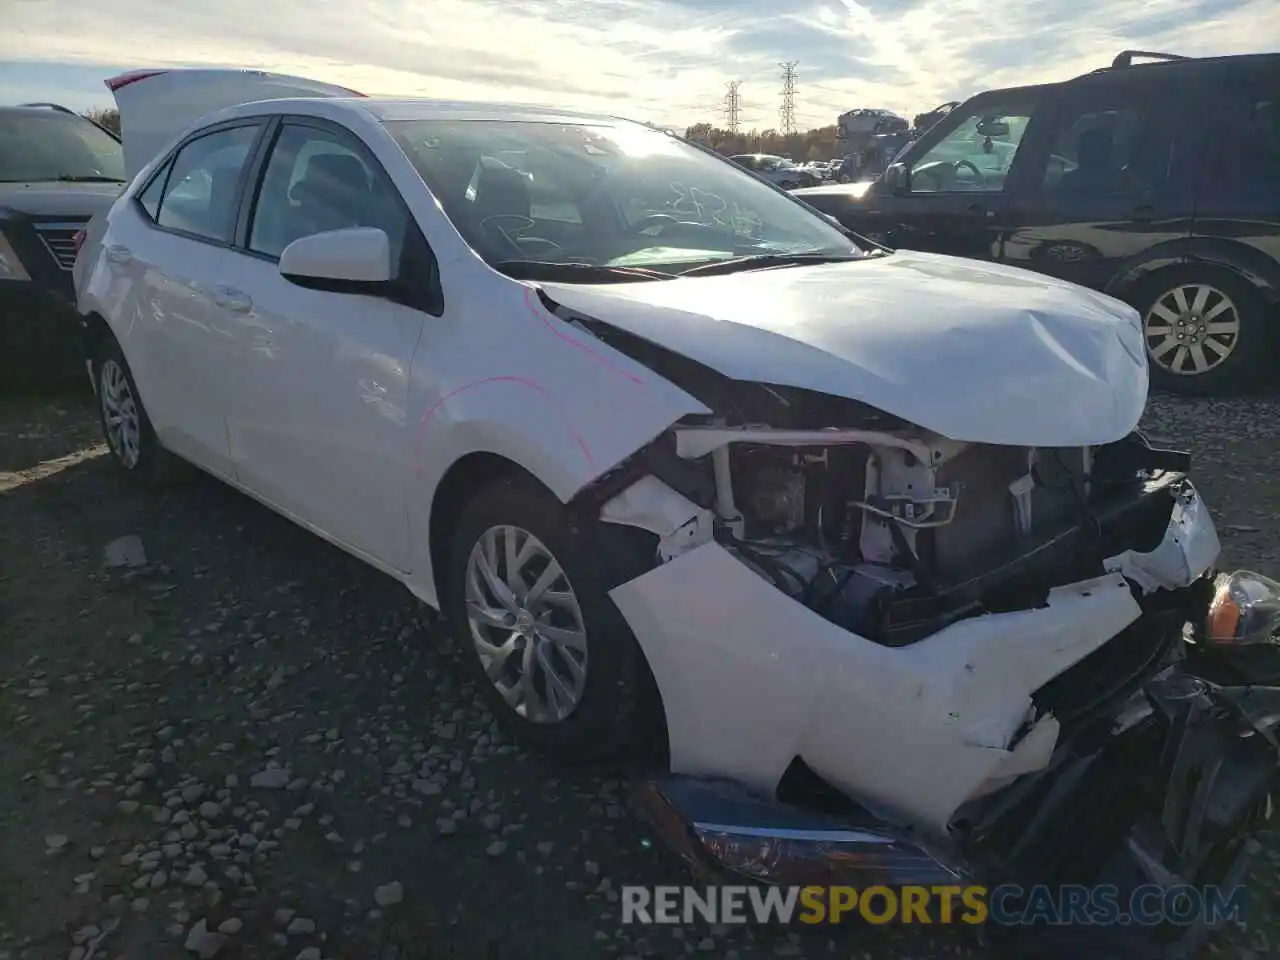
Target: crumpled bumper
[(1171, 799), (1142, 761)]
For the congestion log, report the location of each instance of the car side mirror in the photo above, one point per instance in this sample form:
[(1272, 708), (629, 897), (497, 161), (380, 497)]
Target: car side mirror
[(354, 260), (897, 179)]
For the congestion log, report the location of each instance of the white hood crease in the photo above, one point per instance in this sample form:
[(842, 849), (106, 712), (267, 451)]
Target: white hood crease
[(975, 352)]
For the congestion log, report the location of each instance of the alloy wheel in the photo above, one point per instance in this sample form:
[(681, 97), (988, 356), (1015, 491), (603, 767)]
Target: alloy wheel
[(1192, 329), (120, 414), (526, 624)]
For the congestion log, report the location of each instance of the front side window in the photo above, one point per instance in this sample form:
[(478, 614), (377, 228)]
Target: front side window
[(318, 180), (39, 146), (606, 194), (204, 184), (975, 154)]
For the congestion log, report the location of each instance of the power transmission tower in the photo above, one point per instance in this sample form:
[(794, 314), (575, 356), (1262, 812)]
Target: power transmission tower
[(733, 107), (788, 112)]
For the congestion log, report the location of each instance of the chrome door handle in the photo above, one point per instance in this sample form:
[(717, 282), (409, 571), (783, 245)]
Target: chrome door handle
[(119, 254), (230, 299)]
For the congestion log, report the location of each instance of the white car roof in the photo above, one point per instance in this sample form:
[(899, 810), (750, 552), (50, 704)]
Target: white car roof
[(420, 109)]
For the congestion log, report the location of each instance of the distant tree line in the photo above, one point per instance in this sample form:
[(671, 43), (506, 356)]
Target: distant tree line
[(816, 144), (105, 118)]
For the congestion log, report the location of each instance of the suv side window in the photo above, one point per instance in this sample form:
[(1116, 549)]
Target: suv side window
[(1243, 152), (201, 197), (976, 153), (317, 180), (1112, 146)]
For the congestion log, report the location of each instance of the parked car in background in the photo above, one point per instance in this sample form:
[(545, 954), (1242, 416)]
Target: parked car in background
[(1158, 183), (57, 169), (777, 170), (871, 535)]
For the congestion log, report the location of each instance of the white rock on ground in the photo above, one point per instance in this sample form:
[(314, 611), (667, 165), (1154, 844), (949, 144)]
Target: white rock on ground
[(126, 551), (204, 942), (272, 778), (388, 894)]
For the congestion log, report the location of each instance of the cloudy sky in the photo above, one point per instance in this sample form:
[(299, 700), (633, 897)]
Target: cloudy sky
[(664, 61)]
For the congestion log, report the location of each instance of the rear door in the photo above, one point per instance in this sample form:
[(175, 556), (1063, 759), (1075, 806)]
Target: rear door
[(960, 181), (168, 251), (1099, 186), (1238, 184)]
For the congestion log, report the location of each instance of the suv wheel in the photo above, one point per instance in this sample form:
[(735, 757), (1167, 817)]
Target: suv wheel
[(1205, 331)]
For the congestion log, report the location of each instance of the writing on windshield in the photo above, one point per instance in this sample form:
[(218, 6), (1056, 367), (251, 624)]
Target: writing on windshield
[(702, 206)]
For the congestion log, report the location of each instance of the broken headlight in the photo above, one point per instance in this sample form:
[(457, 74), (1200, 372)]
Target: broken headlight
[(1245, 610)]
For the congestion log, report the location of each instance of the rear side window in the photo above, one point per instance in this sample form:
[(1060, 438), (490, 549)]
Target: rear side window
[(201, 195), (1109, 147), (1243, 148), (149, 199)]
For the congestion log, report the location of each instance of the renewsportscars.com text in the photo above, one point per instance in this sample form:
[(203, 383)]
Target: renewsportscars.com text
[(1102, 905)]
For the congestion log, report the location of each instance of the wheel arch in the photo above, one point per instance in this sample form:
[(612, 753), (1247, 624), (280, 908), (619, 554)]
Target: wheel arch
[(622, 552), (465, 476), (1250, 265)]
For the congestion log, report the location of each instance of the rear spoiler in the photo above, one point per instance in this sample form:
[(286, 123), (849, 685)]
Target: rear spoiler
[(157, 105)]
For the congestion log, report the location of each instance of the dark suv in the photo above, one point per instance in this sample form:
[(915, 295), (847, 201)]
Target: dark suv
[(57, 169), (1158, 183)]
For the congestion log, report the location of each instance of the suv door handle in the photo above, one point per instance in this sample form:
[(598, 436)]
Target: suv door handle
[(117, 254), (231, 299)]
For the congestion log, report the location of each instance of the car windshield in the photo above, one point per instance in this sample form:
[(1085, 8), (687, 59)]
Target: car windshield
[(609, 195), (37, 146)]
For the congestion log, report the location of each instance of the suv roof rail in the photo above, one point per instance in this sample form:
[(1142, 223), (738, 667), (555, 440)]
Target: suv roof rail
[(1126, 57), (52, 106)]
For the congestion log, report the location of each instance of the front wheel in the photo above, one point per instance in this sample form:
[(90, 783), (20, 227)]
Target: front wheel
[(529, 609), (1206, 331)]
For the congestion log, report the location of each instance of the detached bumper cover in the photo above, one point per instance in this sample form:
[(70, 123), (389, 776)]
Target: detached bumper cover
[(1171, 799)]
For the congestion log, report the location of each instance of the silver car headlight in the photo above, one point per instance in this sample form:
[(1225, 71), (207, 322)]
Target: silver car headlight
[(11, 267)]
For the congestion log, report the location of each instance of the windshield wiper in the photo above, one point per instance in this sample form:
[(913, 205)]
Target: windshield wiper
[(86, 178), (761, 260), (575, 271)]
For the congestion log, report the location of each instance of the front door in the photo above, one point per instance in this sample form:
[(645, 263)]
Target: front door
[(319, 425), (958, 184), (1098, 187)]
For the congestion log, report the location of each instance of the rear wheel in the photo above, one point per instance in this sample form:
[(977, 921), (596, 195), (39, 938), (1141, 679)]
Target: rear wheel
[(125, 424), (1206, 331)]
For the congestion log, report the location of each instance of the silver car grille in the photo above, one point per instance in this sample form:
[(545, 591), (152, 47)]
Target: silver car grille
[(59, 240)]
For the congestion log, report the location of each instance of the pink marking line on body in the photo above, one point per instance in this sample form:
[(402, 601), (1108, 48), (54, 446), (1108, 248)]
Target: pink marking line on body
[(530, 301), (535, 387)]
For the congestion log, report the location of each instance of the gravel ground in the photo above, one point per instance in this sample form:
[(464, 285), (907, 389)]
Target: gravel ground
[(251, 746)]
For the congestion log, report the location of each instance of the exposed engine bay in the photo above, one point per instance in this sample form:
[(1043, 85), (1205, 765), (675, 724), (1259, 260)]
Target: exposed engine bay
[(892, 534)]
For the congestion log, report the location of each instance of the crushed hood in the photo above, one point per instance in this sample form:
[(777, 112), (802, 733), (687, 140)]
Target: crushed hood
[(972, 351)]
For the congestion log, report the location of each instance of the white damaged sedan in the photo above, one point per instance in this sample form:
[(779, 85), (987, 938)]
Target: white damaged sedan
[(870, 534)]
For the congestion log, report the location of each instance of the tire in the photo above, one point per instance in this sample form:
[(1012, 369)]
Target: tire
[(613, 709), (1212, 297), (127, 429), (787, 185)]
